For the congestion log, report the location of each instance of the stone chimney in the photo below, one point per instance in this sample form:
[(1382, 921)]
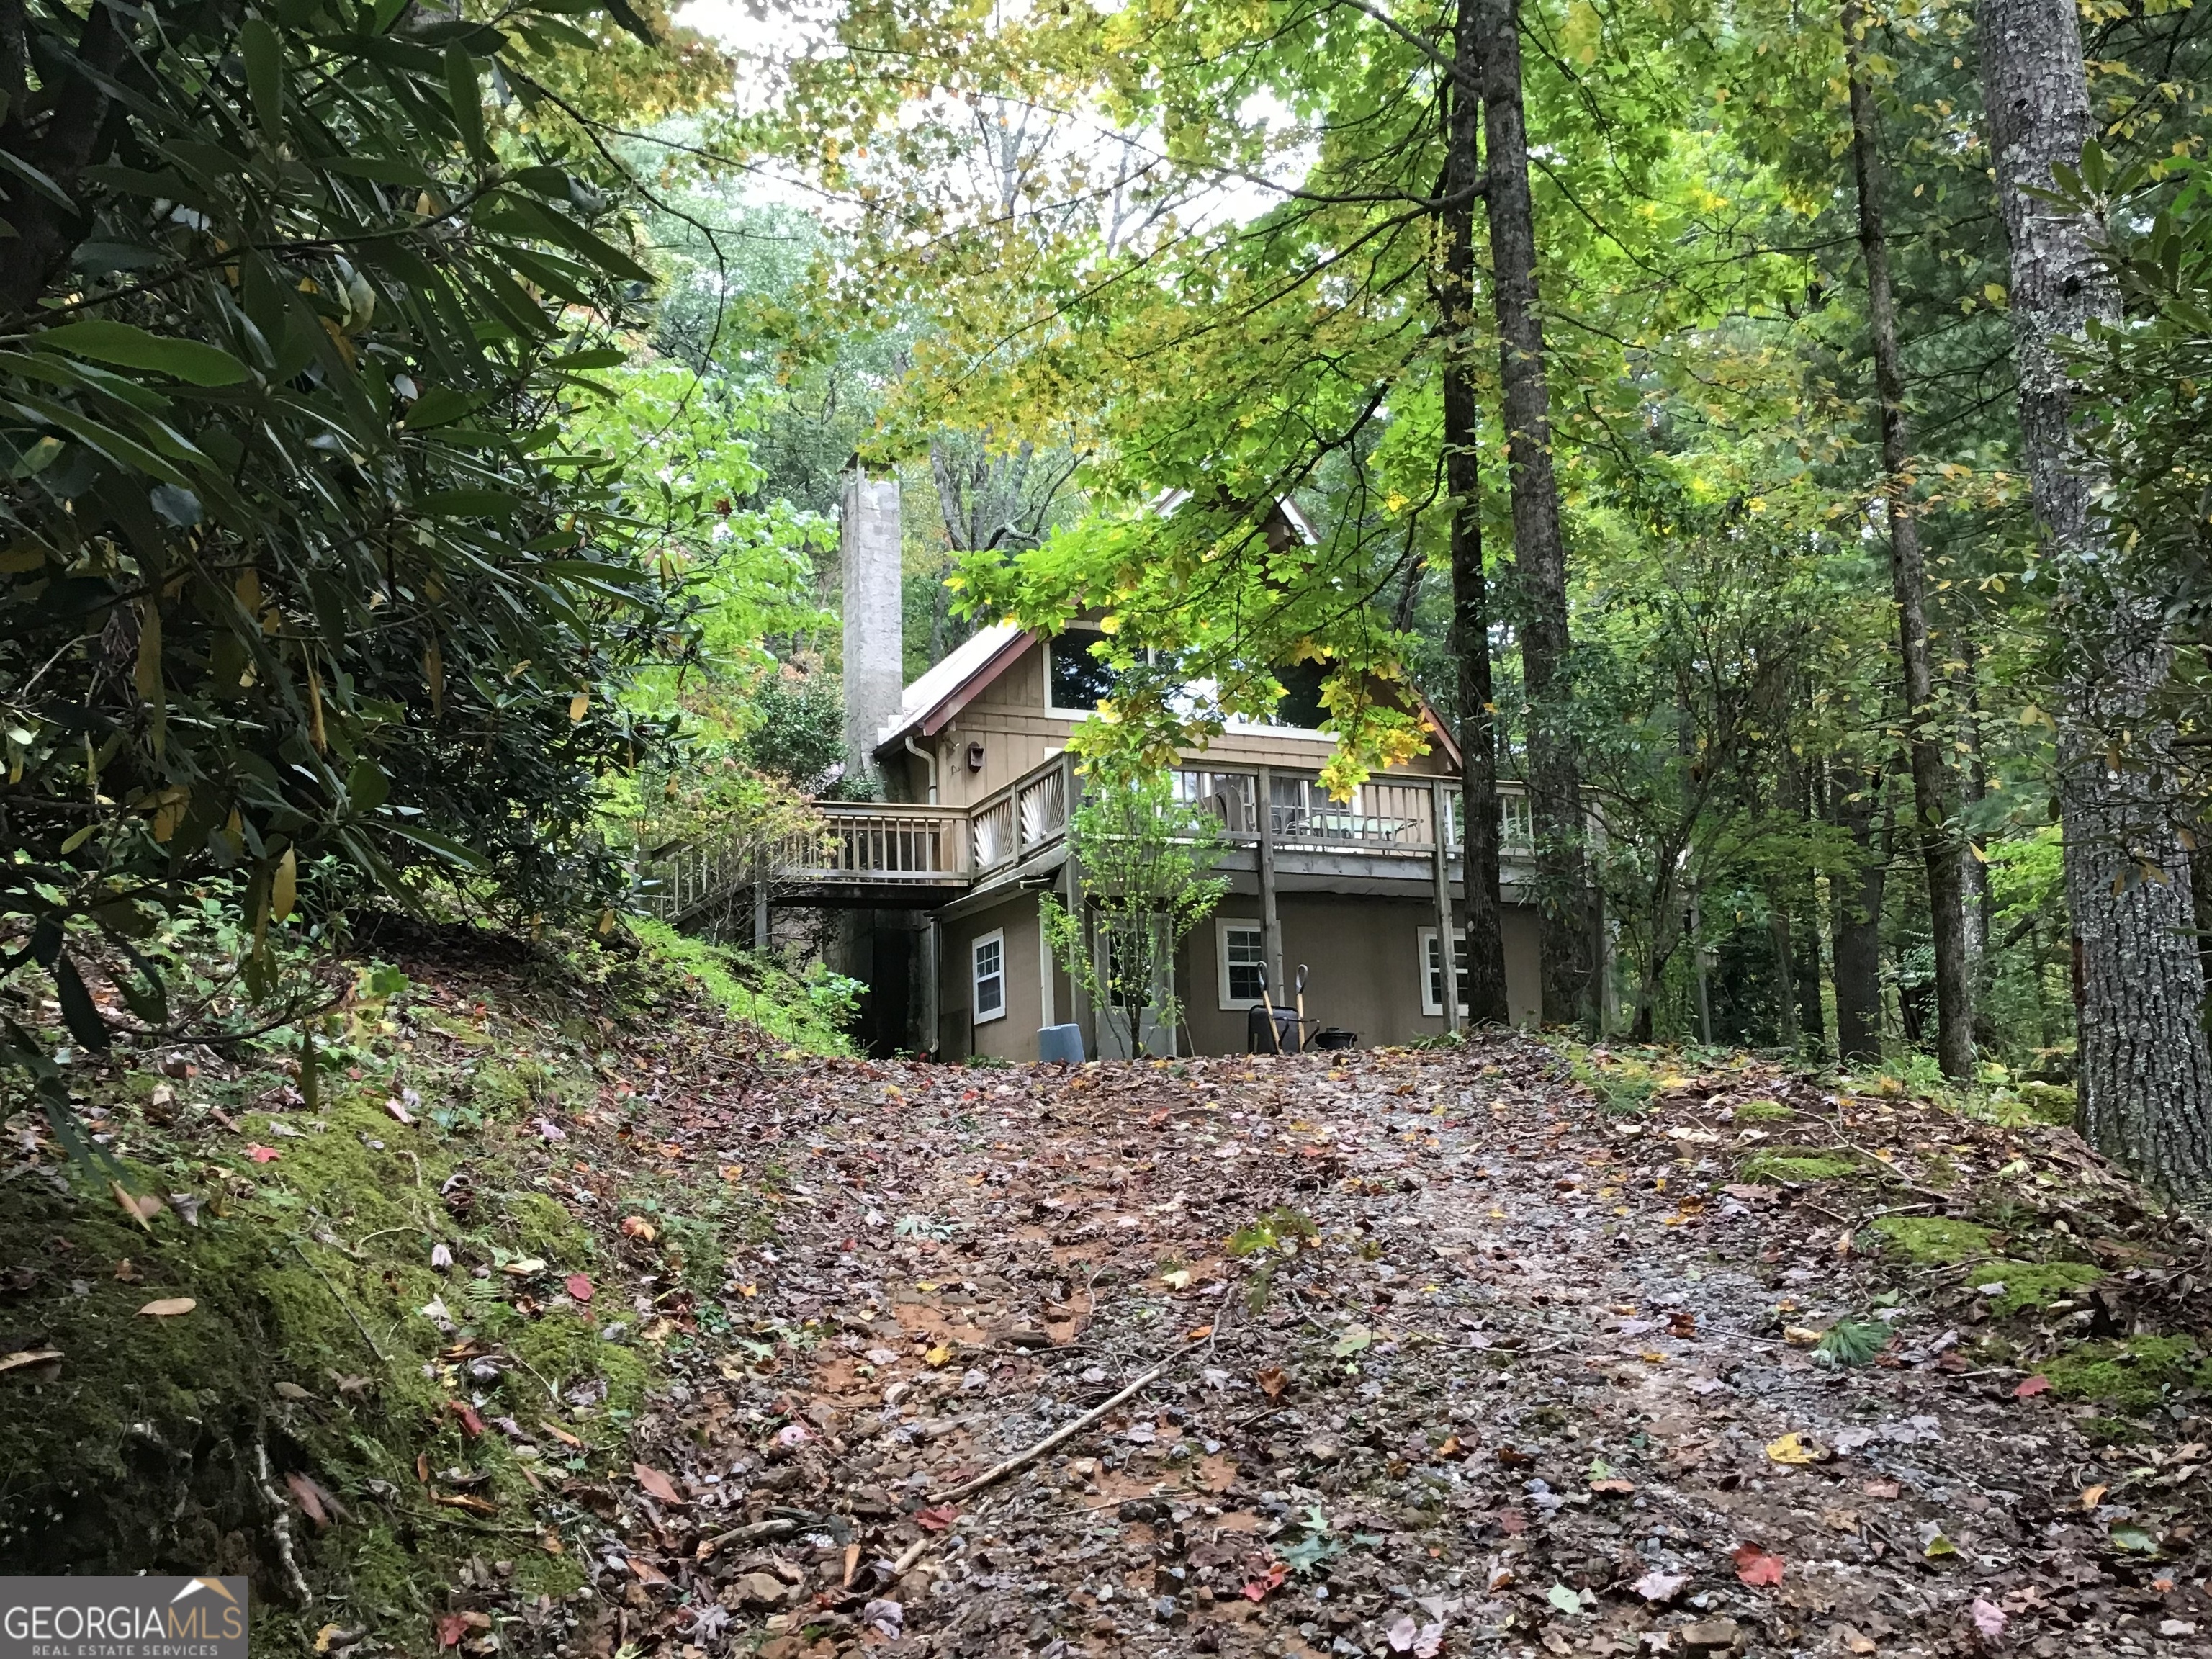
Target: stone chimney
[(875, 653)]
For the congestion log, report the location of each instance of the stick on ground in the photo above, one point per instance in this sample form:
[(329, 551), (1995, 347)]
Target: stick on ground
[(1066, 1432)]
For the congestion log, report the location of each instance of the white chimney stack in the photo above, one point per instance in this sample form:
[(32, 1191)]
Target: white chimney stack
[(875, 652)]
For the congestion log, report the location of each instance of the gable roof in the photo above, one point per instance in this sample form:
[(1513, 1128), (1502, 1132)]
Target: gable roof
[(929, 704)]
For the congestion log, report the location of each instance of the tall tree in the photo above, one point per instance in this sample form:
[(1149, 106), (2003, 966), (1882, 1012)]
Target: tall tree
[(1931, 778), (1483, 987), (1491, 30), (1857, 798), (2145, 1078)]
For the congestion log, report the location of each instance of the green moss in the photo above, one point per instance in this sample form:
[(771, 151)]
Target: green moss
[(565, 1349), (807, 1013), (2035, 1284), (1762, 1111), (2112, 1432), (1931, 1239), (1799, 1164), (2050, 1103), (2131, 1376), (540, 1226)]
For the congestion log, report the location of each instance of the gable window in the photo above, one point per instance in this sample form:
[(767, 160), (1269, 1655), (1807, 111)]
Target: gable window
[(990, 977), (1243, 951), (1076, 678), (1301, 706), (1432, 970)]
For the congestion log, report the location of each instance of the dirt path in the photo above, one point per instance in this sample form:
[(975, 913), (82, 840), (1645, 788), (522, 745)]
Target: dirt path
[(1487, 1368)]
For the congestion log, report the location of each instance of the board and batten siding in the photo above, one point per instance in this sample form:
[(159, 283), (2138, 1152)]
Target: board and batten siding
[(1018, 731)]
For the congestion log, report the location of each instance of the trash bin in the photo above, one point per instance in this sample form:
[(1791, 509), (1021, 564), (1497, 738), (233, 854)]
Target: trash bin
[(1333, 1037), (1061, 1044)]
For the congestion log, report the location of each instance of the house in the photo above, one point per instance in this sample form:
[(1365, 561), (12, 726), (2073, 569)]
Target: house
[(938, 886)]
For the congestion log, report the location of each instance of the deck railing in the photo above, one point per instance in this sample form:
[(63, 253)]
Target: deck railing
[(889, 841), (898, 844)]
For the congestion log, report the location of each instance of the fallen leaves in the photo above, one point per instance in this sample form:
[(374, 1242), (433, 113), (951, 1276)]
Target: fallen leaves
[(315, 1501), (1756, 1566), (168, 1307), (140, 1209), (1267, 1581), (1422, 1640), (23, 1358), (261, 1154), (657, 1485), (1272, 1380), (1792, 1450), (1659, 1588), (579, 1287), (936, 1519), (452, 1627), (2031, 1387)]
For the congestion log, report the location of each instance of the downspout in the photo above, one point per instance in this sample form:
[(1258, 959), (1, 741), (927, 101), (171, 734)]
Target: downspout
[(928, 758)]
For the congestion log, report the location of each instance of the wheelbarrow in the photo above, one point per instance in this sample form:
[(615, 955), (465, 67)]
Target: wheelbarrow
[(1269, 1030)]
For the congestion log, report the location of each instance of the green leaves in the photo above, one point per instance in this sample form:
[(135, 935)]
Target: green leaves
[(466, 103), (264, 76), (131, 347), (291, 453)]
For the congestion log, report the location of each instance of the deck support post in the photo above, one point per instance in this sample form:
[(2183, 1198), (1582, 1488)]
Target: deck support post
[(932, 980), (760, 902), (1271, 926), (1071, 873), (1447, 956)]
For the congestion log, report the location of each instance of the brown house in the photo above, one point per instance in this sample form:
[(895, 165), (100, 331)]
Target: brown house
[(938, 885)]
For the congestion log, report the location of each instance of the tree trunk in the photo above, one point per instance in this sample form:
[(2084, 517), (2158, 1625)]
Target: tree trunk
[(1812, 1017), (1931, 778), (1787, 1033), (60, 134), (1492, 28), (2145, 1077), (1483, 984), (1978, 898), (1857, 923)]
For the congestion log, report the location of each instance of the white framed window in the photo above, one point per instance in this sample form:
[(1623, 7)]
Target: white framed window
[(1432, 970), (1242, 951), (988, 956)]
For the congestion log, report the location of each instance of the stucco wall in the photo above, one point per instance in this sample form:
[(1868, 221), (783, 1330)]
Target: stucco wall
[(1365, 959), (1014, 1035), (1365, 955)]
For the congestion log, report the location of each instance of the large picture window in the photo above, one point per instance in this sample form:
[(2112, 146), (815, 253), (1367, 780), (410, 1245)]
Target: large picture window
[(990, 977), (1243, 951), (1432, 970)]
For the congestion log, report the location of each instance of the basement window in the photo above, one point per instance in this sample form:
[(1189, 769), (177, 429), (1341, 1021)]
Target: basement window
[(1243, 951), (990, 963), (1432, 970)]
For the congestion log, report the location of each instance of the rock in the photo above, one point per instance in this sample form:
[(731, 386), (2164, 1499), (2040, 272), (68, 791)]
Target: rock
[(760, 1590), (1710, 1636), (1322, 1449)]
